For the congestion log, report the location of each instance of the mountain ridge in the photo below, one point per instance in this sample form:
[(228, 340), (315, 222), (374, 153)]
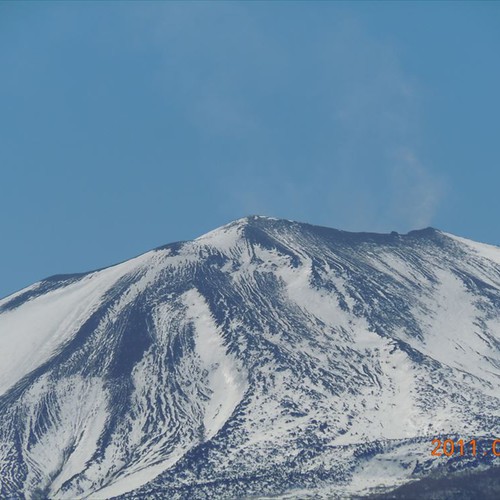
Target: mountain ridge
[(247, 220)]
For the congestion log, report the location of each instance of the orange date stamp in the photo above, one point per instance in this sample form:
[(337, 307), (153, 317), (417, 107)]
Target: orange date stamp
[(450, 448)]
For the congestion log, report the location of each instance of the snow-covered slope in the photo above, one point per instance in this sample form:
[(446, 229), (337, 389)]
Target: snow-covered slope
[(264, 358)]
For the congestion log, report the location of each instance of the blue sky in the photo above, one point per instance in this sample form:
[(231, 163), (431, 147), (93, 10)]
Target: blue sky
[(125, 126)]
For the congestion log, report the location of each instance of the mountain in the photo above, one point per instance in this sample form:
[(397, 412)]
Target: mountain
[(267, 358)]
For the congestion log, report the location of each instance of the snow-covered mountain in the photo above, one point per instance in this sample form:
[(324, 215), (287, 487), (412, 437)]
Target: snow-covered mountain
[(265, 358)]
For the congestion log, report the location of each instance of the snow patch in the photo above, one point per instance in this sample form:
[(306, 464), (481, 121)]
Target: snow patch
[(225, 376)]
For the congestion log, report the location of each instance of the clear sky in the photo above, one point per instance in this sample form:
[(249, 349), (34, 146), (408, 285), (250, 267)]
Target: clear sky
[(125, 126)]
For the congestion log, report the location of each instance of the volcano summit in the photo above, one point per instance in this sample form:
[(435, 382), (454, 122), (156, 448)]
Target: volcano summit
[(265, 358)]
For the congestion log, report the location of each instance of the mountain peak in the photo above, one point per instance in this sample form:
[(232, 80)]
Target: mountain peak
[(263, 230), (266, 222), (266, 355)]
